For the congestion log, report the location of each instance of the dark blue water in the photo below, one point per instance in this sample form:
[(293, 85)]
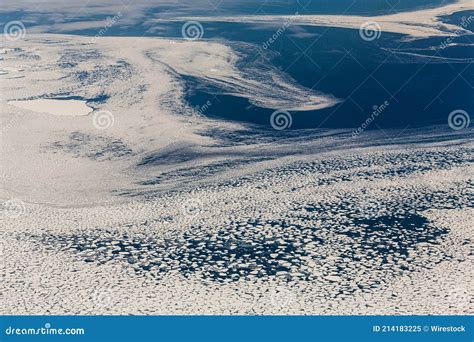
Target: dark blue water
[(421, 90)]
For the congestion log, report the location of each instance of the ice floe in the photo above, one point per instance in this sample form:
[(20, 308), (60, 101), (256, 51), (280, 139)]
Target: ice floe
[(62, 107)]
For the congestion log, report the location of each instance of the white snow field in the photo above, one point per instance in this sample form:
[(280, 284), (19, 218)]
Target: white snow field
[(143, 206)]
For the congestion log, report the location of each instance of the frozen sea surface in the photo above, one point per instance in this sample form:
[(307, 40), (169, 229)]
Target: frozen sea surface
[(176, 196)]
